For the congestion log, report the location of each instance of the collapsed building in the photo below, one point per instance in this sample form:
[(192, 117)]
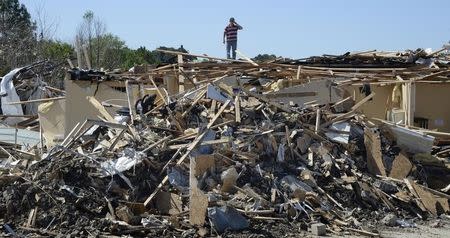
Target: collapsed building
[(331, 144)]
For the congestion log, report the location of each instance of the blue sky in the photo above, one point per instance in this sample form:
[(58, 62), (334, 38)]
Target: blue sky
[(283, 27)]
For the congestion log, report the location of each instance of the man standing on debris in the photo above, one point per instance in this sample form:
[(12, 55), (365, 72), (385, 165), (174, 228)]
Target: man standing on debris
[(230, 34)]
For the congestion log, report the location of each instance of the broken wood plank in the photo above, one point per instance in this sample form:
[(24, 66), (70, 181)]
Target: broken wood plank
[(200, 56), (218, 113), (237, 108), (199, 97), (246, 58), (435, 204), (268, 101), (36, 100), (157, 143), (210, 142)]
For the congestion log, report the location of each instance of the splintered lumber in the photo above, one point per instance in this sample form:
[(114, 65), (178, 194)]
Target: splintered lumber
[(159, 92), (9, 154), (414, 193), (211, 123), (181, 160), (428, 199), (268, 101), (101, 109), (157, 143), (188, 152), (119, 136), (199, 97), (352, 111)]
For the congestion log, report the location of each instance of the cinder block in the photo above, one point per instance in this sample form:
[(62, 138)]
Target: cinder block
[(318, 229)]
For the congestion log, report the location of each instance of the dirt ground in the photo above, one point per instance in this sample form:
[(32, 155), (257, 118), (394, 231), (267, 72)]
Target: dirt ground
[(428, 229)]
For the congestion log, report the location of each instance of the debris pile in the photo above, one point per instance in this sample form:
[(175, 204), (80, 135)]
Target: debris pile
[(227, 158)]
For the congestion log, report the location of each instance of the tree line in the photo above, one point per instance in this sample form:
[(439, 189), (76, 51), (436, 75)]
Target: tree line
[(24, 40)]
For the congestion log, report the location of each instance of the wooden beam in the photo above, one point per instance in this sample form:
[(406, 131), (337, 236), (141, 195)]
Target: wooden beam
[(218, 113), (199, 56), (159, 91), (268, 101), (181, 81), (246, 58), (199, 97), (36, 100), (364, 100)]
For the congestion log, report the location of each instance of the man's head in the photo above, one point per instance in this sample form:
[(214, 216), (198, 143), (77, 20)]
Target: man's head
[(232, 20)]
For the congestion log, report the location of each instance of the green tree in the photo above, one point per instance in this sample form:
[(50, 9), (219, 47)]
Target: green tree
[(17, 35), (131, 58), (264, 57), (146, 54), (56, 51), (111, 51), (90, 34)]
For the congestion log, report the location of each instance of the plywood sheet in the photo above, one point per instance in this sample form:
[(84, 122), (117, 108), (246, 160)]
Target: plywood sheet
[(401, 166), (374, 156)]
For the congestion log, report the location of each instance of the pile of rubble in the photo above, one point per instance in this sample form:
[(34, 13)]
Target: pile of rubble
[(225, 160)]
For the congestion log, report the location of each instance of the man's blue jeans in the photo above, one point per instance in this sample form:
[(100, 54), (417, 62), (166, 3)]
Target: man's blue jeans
[(231, 45)]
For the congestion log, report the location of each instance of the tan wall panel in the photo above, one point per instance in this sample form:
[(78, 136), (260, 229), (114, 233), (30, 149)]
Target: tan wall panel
[(378, 106), (432, 103)]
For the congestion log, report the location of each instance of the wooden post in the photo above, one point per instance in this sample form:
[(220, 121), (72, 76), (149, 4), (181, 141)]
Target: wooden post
[(411, 103), (86, 56), (317, 120), (130, 100), (180, 76), (171, 83), (78, 51)]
